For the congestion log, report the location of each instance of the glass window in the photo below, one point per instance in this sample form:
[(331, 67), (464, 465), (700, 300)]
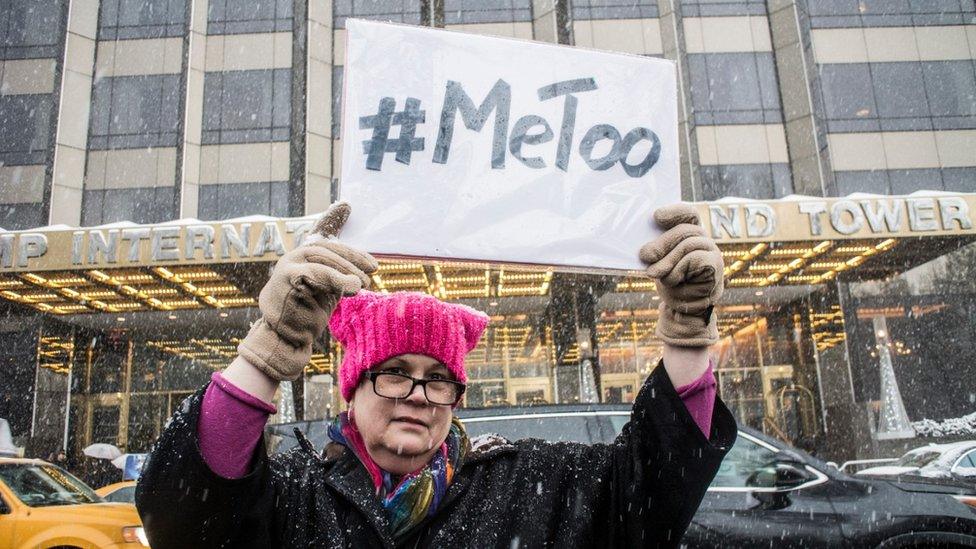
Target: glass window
[(139, 205), (744, 459), (45, 485), (554, 429), (848, 95), (717, 8), (917, 458), (968, 460), (959, 179), (746, 181), (875, 97), (872, 181), (236, 17), (909, 181), (126, 19), (25, 133), (146, 416), (337, 73), (247, 106), (897, 99), (951, 89), (135, 111), (398, 11), (614, 9), (490, 11), (126, 494), (31, 28), (868, 13), (231, 200), (906, 181), (22, 216), (734, 88), (105, 424)]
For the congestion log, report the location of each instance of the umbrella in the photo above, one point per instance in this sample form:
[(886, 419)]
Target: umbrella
[(100, 450), (131, 465)]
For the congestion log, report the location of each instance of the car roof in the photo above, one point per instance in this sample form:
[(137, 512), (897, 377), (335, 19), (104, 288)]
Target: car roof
[(945, 447), (22, 461), (948, 452), (540, 409)]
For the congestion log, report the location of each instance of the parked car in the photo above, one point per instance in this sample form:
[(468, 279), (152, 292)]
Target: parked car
[(956, 460), (119, 492), (765, 493), (42, 506)]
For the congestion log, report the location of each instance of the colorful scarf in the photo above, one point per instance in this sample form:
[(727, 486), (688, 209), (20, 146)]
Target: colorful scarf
[(416, 495)]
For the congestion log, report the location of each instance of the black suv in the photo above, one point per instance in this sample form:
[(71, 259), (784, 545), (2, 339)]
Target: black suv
[(766, 494)]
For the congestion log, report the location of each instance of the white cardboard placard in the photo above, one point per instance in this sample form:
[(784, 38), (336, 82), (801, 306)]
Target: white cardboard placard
[(458, 146)]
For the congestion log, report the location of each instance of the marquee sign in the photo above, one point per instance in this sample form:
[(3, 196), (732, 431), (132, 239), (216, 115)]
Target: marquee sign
[(233, 241)]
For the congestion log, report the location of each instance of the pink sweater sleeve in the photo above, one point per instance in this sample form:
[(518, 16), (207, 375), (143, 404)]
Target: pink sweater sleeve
[(699, 398), (231, 421), (230, 427)]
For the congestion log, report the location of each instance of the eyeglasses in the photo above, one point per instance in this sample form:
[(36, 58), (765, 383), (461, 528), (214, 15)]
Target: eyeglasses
[(441, 392)]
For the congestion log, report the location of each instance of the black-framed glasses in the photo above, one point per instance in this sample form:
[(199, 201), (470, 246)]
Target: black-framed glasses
[(442, 392)]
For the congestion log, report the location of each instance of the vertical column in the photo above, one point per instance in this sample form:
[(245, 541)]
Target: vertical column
[(318, 108), (196, 52), (805, 138), (672, 39), (550, 21), (74, 107)]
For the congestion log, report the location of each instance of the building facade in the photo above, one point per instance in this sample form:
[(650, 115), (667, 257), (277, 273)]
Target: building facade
[(127, 115)]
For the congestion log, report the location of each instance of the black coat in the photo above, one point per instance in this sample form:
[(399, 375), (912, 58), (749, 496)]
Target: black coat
[(642, 490)]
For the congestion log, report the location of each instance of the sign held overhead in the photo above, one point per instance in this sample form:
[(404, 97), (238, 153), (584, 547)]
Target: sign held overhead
[(460, 146)]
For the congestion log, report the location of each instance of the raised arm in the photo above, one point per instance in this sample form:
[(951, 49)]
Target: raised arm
[(668, 454), (688, 270), (192, 492)]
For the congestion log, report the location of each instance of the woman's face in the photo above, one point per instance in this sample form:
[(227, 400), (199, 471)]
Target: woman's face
[(401, 435)]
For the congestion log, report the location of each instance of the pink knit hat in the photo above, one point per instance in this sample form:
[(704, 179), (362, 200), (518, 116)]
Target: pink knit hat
[(374, 327)]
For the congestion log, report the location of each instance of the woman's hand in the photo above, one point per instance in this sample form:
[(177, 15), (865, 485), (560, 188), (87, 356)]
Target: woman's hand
[(688, 269), (304, 288)]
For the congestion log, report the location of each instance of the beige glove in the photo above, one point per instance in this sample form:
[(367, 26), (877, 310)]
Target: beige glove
[(689, 269), (304, 288)]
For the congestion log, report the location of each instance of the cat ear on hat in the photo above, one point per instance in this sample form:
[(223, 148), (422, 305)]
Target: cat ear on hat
[(474, 323), (347, 309)]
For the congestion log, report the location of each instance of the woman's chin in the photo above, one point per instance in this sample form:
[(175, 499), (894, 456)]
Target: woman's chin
[(411, 444)]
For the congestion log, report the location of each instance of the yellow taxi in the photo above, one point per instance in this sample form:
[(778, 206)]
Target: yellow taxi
[(42, 506), (119, 492)]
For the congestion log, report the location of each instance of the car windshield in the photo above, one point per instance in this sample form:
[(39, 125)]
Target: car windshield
[(552, 428), (41, 485), (917, 459), (126, 494)]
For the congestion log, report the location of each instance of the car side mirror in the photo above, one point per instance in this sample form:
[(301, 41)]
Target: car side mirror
[(778, 474)]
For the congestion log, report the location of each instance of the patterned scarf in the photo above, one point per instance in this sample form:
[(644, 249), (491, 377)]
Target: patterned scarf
[(417, 495)]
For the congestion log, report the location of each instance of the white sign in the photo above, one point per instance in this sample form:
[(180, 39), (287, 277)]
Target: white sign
[(470, 147)]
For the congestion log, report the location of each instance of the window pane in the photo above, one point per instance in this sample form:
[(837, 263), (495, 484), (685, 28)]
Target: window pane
[(743, 460), (895, 99), (951, 88), (847, 91), (247, 106), (135, 112), (555, 429), (398, 11), (734, 88)]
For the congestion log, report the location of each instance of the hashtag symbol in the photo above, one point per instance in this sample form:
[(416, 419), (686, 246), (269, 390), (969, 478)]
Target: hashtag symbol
[(405, 144)]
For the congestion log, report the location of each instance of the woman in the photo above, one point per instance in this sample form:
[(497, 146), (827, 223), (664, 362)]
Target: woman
[(400, 470)]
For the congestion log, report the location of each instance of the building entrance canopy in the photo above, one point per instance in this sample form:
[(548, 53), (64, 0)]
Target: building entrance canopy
[(186, 264)]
